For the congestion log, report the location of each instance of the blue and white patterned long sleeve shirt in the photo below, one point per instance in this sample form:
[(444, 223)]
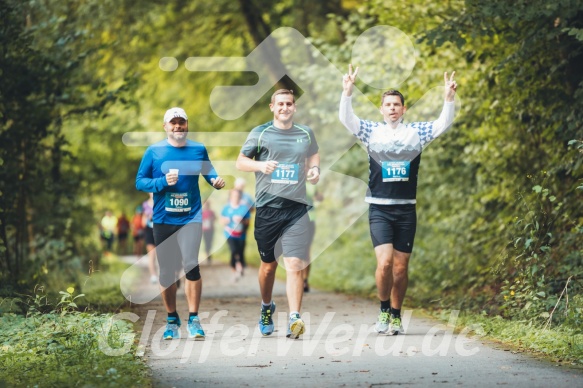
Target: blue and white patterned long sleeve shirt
[(394, 153)]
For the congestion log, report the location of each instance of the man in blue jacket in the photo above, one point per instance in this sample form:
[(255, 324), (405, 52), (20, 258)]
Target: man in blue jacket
[(170, 169)]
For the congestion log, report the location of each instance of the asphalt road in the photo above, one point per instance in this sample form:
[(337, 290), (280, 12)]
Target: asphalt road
[(339, 347)]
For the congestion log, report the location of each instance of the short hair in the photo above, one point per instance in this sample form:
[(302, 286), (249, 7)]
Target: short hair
[(282, 91), (392, 92)]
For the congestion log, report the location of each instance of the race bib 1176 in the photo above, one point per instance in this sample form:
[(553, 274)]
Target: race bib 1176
[(396, 170)]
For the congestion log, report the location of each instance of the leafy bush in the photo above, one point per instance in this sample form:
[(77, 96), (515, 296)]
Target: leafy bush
[(61, 348), (526, 291), (535, 278)]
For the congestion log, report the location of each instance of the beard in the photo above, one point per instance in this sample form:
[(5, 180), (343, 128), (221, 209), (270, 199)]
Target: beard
[(178, 135)]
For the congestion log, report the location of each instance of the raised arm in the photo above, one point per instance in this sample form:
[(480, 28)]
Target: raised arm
[(447, 115), (430, 130), (346, 114)]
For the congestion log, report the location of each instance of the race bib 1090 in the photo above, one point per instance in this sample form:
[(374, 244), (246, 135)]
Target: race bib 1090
[(178, 202)]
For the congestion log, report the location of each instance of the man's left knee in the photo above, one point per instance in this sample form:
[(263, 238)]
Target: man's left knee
[(193, 274), (295, 264), (400, 260)]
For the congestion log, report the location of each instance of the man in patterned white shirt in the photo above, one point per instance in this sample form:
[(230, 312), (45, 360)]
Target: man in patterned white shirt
[(394, 152)]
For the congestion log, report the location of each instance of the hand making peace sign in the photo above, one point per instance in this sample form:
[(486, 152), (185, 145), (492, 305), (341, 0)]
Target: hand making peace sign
[(450, 86), (348, 80)]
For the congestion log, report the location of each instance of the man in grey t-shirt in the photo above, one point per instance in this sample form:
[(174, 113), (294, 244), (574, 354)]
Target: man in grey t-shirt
[(283, 155)]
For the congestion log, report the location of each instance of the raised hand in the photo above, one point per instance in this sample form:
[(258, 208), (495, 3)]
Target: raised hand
[(348, 80), (450, 86)]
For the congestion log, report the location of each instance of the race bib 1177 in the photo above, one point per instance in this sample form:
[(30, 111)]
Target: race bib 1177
[(286, 173)]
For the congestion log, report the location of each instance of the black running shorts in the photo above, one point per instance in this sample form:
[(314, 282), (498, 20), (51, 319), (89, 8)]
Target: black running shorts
[(280, 231), (393, 224), (149, 236)]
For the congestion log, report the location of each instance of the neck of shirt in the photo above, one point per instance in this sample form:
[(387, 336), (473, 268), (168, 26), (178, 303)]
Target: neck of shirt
[(176, 144), (279, 125), (394, 124)]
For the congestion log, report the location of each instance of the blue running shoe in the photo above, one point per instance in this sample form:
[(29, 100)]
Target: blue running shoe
[(172, 328), (195, 330), (266, 321), (296, 327)]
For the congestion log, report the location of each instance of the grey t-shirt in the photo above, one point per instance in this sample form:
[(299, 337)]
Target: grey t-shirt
[(286, 186)]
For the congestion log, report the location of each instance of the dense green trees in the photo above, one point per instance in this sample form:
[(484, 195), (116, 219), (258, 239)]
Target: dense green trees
[(48, 83), (516, 165)]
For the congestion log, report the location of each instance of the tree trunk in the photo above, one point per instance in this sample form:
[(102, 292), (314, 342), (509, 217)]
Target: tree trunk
[(259, 30), (6, 259)]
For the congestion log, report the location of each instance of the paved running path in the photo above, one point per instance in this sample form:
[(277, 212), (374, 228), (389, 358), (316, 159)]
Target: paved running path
[(338, 349)]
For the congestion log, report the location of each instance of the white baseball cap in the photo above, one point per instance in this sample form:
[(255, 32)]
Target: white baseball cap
[(173, 113)]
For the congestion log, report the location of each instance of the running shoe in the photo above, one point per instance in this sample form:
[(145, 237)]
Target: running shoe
[(266, 320), (172, 328), (296, 327), (396, 327), (195, 330), (382, 325)]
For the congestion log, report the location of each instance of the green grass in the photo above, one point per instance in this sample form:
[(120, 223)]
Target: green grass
[(53, 351), (559, 343), (349, 264), (58, 342), (102, 288)]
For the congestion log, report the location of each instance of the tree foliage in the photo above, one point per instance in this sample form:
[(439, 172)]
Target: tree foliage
[(519, 167), (46, 52)]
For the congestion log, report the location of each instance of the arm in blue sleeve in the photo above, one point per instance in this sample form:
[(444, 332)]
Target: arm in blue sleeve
[(144, 180), (208, 171)]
